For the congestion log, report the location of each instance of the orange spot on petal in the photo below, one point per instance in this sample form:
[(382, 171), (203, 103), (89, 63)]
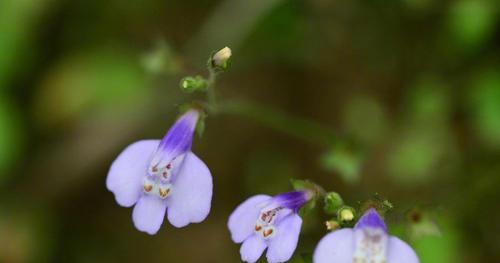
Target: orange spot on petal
[(268, 232), (148, 187)]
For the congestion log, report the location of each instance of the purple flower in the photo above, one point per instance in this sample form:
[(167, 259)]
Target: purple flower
[(268, 222), (154, 175), (368, 241)]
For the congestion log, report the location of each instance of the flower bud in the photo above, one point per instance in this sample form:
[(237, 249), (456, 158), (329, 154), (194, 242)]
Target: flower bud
[(333, 201), (221, 59), (332, 225), (191, 84), (346, 214)]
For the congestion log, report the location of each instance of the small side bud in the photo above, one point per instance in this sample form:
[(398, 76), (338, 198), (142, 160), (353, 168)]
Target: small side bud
[(332, 225), (221, 59), (192, 84), (333, 202), (346, 215)]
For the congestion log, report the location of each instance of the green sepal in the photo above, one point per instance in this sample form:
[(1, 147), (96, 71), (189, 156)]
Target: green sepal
[(200, 126), (333, 201), (314, 189), (307, 207)]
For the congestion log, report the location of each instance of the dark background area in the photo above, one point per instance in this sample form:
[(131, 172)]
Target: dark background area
[(410, 88)]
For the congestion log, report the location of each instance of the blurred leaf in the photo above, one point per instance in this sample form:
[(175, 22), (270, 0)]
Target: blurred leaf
[(422, 224), (18, 21), (472, 22), (425, 145), (11, 137), (417, 153), (160, 60), (484, 107), (420, 4), (100, 80), (24, 235), (429, 102), (344, 161), (364, 119), (439, 248), (282, 34), (217, 32)]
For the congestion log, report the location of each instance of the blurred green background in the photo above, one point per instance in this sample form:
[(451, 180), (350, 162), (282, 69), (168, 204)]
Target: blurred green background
[(411, 89)]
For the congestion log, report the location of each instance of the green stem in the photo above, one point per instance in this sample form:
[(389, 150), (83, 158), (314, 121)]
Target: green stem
[(211, 96), (301, 128)]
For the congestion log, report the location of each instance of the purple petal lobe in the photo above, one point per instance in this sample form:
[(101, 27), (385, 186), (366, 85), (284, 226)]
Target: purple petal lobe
[(282, 246), (371, 219), (191, 193), (292, 200), (149, 213), (242, 221), (336, 247), (127, 171), (252, 249), (178, 139), (399, 252)]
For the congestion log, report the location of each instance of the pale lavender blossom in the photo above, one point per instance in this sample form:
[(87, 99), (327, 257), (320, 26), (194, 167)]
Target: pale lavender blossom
[(368, 241), (155, 175), (268, 222)]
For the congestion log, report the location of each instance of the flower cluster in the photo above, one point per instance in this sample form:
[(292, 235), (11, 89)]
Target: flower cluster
[(153, 175), (165, 178)]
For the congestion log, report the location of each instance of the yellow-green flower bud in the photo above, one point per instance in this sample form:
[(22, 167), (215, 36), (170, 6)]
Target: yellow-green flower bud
[(346, 214), (221, 59)]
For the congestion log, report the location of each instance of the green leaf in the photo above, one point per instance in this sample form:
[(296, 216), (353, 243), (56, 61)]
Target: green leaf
[(484, 107), (160, 59), (96, 81), (344, 161), (11, 137), (442, 248), (472, 22), (364, 119)]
